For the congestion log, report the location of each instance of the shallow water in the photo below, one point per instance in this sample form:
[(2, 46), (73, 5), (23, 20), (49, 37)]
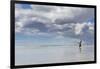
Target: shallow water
[(52, 54)]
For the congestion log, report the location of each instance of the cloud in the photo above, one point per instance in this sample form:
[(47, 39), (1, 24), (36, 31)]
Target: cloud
[(56, 14), (59, 22), (79, 27)]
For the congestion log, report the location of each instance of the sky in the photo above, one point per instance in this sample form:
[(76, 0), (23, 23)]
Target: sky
[(53, 25)]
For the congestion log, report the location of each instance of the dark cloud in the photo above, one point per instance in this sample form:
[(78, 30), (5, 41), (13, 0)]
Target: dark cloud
[(70, 22), (37, 25)]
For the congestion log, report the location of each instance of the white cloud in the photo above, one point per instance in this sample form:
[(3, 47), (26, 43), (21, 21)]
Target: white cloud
[(18, 27), (55, 21), (91, 26), (51, 14), (79, 27)]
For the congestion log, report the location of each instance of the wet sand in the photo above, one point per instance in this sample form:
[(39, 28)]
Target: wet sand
[(52, 54)]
